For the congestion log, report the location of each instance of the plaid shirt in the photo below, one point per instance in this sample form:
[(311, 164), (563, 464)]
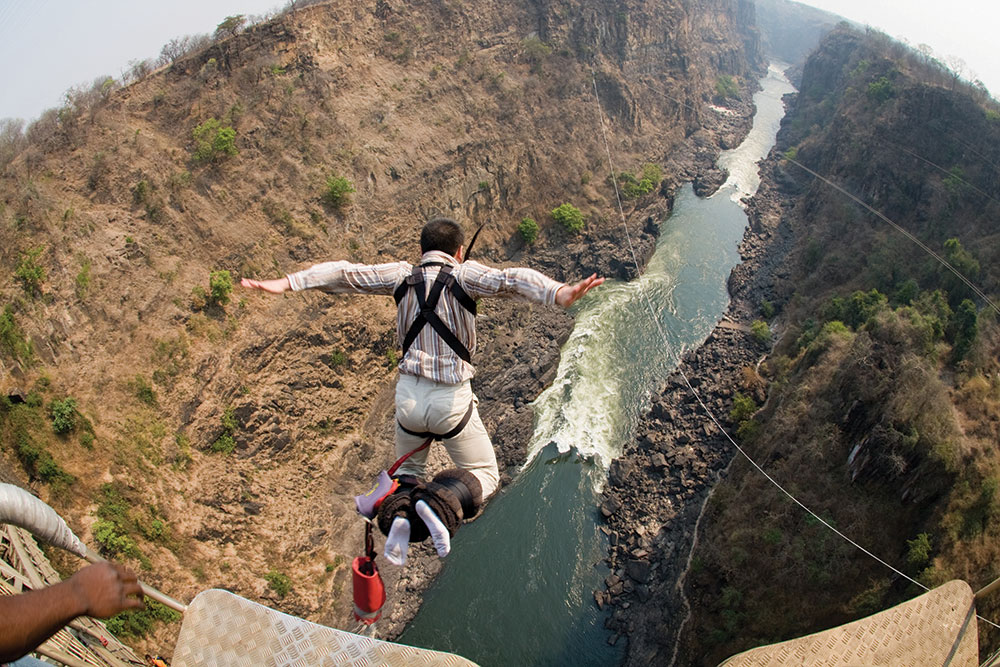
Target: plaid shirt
[(430, 356)]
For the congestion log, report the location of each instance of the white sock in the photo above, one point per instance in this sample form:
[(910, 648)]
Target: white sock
[(439, 532), (398, 542)]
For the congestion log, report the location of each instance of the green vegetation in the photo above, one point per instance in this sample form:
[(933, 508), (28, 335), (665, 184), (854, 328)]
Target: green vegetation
[(792, 153), (143, 390), (279, 582), (213, 142), (220, 286), (13, 342), (918, 553), (29, 272), (536, 52), (83, 279), (226, 443), (138, 623), (760, 332), (63, 414), (569, 217), (528, 229), (230, 26), (337, 192), (726, 87), (199, 298), (881, 90), (142, 195), (633, 187), (26, 427)]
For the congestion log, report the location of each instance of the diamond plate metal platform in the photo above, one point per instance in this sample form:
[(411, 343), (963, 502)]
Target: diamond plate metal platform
[(937, 628), (226, 630)]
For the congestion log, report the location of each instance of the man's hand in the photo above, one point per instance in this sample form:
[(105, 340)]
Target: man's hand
[(104, 589), (101, 590), (569, 294), (276, 286)]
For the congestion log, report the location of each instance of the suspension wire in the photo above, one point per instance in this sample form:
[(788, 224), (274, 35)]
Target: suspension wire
[(941, 169), (701, 402), (902, 231)]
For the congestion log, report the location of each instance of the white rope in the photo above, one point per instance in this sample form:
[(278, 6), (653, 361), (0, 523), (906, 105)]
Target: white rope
[(690, 387)]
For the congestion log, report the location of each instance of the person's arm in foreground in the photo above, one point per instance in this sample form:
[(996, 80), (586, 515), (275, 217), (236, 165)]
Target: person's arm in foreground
[(276, 286), (100, 590), (569, 294)]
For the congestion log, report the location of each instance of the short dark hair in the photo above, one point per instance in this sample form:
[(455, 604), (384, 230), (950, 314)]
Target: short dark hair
[(442, 234)]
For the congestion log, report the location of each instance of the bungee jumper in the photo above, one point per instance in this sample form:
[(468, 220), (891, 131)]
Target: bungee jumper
[(435, 324)]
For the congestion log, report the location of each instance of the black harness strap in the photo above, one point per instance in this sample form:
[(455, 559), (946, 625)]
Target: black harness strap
[(428, 303), (444, 436)]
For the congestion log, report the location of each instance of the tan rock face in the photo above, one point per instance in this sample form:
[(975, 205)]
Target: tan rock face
[(485, 112)]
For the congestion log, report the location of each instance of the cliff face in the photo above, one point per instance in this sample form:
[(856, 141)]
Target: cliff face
[(484, 112), (881, 390)]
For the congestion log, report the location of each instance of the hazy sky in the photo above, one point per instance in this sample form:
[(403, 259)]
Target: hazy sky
[(49, 46)]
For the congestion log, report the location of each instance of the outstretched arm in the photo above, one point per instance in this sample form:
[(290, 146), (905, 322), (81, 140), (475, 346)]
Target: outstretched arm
[(276, 286), (569, 294), (101, 590)]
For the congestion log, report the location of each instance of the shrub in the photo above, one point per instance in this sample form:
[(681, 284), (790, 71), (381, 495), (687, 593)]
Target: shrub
[(726, 86), (83, 279), (966, 326), (199, 299), (528, 230), (278, 582), (12, 340), (881, 90), (767, 309), (569, 217), (138, 622), (535, 52), (633, 187), (743, 408), (220, 285), (226, 443), (760, 331), (213, 142), (63, 414), (338, 189), (143, 390), (918, 551), (29, 272)]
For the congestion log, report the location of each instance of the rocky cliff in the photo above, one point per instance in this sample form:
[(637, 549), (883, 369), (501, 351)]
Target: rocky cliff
[(217, 439), (877, 404)]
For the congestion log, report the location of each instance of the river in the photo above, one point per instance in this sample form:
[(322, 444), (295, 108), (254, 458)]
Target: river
[(518, 587)]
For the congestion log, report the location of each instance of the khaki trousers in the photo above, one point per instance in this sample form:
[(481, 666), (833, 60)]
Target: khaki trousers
[(425, 405)]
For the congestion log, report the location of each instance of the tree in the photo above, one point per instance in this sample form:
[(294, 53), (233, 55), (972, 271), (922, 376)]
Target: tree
[(230, 26), (213, 142), (528, 229), (966, 326), (569, 217), (337, 190), (29, 272), (12, 139), (220, 286)]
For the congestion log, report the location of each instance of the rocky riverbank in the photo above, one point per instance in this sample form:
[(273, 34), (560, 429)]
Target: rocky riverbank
[(659, 486)]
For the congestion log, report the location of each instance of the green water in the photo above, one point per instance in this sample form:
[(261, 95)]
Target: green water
[(518, 586)]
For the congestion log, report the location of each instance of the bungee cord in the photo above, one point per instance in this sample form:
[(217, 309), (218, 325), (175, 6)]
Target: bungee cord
[(708, 411)]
